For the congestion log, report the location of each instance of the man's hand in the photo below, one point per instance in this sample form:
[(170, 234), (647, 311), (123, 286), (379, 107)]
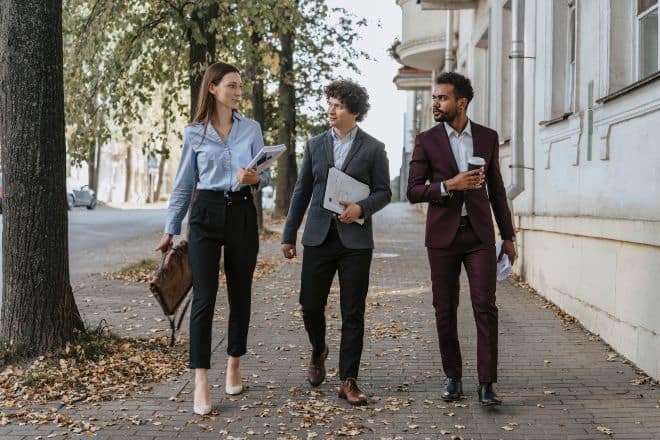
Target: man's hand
[(509, 249), (289, 250), (466, 180), (247, 176), (352, 212)]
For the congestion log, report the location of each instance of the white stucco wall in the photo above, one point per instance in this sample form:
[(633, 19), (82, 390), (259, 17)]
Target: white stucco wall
[(591, 236)]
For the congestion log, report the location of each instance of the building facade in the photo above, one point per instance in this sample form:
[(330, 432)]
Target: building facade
[(573, 88)]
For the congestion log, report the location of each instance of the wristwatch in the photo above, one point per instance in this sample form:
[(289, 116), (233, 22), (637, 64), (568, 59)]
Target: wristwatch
[(443, 190)]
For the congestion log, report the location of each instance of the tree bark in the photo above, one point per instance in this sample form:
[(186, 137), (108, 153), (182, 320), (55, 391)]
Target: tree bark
[(39, 312), (129, 171), (287, 169), (92, 171), (253, 72), (202, 53), (159, 182)]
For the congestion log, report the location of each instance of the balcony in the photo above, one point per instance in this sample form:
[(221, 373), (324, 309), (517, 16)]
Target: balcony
[(411, 79), (423, 36), (443, 5)]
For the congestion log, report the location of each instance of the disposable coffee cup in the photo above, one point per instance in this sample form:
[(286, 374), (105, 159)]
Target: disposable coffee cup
[(475, 162)]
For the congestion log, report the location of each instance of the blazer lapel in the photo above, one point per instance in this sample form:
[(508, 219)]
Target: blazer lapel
[(357, 143), (329, 150), (478, 145), (442, 140)]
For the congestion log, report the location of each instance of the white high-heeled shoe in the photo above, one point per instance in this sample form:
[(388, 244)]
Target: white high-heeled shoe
[(202, 410), (233, 390)]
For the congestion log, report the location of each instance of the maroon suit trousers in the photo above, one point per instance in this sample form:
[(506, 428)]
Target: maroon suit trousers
[(480, 265)]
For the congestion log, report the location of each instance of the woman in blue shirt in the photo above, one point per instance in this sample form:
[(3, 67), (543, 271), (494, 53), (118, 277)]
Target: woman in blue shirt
[(217, 146)]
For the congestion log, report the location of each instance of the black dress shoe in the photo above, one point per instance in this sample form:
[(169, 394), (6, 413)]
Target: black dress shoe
[(453, 390), (487, 396)]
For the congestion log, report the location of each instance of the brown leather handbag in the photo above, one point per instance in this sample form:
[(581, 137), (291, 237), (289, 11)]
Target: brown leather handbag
[(171, 283)]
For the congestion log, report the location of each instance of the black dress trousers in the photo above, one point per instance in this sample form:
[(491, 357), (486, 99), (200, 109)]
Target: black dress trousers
[(217, 222), (320, 263)]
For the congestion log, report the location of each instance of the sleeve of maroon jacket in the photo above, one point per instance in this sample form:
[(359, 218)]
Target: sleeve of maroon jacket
[(421, 172), (497, 194)]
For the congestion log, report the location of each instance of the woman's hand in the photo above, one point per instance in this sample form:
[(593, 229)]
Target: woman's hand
[(164, 243), (247, 176)]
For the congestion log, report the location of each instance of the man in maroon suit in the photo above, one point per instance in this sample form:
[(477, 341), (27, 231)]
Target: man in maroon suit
[(459, 227)]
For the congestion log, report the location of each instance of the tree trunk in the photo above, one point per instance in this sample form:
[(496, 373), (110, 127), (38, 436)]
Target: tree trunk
[(201, 53), (91, 168), (159, 182), (94, 159), (39, 312), (287, 170), (129, 172), (97, 169), (253, 72)]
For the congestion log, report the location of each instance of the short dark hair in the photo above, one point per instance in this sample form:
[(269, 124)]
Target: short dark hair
[(462, 85), (351, 94)]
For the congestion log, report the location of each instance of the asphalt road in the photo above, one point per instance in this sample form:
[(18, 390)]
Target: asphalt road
[(103, 226)]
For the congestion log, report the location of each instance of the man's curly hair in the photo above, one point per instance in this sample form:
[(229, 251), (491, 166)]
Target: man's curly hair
[(462, 85), (351, 94)]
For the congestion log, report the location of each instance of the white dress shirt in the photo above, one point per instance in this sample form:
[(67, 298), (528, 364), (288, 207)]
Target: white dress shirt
[(462, 147)]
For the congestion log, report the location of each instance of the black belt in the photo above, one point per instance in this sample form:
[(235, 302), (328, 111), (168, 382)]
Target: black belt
[(228, 197), (464, 223)]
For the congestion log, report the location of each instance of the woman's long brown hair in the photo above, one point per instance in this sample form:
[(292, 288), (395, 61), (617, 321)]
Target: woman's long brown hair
[(205, 101)]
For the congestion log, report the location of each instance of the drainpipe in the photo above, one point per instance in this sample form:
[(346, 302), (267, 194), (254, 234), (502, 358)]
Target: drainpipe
[(517, 56), (449, 49)]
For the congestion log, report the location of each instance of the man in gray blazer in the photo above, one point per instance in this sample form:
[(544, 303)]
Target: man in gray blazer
[(336, 242)]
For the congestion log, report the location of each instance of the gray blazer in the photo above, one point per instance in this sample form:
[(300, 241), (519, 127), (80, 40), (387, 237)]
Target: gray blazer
[(367, 162)]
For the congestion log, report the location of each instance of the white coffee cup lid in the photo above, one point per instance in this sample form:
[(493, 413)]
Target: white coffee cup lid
[(476, 160)]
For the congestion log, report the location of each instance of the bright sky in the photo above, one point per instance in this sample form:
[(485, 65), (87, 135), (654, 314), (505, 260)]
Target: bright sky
[(385, 119)]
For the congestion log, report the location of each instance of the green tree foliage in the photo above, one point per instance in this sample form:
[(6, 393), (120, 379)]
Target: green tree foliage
[(124, 57)]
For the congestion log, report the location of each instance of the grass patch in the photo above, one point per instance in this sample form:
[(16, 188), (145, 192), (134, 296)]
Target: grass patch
[(142, 271)]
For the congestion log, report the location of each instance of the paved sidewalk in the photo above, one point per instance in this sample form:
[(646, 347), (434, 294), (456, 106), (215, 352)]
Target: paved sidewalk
[(557, 381)]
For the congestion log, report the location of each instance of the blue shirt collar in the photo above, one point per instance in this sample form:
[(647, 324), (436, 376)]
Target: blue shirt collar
[(349, 137)]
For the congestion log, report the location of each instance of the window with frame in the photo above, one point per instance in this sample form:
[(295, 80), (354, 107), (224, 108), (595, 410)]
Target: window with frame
[(647, 38), (564, 58)]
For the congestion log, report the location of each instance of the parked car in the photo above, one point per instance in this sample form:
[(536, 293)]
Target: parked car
[(82, 196)]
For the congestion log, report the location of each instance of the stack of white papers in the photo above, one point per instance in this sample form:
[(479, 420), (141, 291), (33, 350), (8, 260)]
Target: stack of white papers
[(264, 159), (504, 265), (339, 186)]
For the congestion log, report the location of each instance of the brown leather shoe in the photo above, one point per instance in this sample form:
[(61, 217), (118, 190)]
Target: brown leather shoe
[(316, 369), (349, 390)]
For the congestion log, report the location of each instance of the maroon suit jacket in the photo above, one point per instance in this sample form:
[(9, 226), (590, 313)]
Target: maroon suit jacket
[(433, 161)]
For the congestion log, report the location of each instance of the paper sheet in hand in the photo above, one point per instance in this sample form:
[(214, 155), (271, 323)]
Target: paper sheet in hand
[(504, 265), (341, 186), (264, 159)]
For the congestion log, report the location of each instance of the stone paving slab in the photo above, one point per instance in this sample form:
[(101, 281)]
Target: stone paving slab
[(555, 379)]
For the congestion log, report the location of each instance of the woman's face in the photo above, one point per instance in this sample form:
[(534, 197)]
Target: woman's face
[(228, 91)]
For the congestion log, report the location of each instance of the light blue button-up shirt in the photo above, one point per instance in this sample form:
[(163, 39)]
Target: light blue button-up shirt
[(341, 147), (215, 161), (462, 146)]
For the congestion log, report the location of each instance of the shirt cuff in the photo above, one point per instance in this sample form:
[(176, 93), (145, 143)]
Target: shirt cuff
[(172, 228), (443, 189)]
